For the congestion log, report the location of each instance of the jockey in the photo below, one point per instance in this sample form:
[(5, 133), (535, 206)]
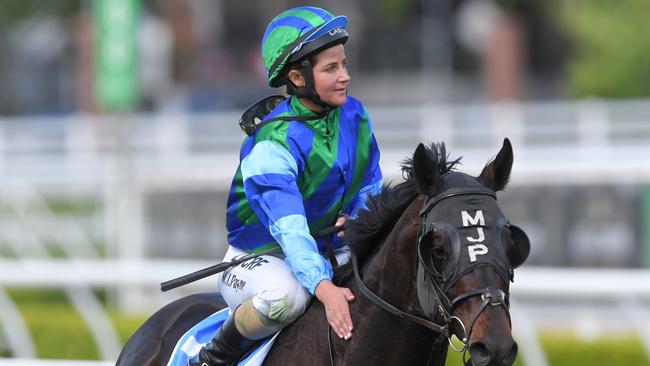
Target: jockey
[(308, 169)]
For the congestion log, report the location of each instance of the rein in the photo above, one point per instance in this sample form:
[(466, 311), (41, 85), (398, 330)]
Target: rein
[(391, 309), (442, 329)]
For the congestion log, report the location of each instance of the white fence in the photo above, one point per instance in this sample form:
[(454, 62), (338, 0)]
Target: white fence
[(628, 290), (553, 142)]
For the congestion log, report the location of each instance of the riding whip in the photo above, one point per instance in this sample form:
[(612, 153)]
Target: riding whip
[(217, 268)]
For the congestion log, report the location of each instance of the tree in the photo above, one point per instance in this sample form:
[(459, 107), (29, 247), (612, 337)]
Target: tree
[(612, 54)]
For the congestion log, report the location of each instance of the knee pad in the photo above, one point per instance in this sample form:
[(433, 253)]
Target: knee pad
[(280, 308)]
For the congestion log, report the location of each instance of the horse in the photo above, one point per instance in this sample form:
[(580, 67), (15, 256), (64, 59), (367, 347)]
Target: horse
[(433, 257)]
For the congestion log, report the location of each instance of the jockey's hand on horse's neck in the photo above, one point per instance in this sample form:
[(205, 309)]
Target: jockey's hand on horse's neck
[(335, 299)]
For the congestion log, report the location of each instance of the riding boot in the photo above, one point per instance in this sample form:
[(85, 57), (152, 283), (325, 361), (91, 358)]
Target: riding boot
[(225, 348)]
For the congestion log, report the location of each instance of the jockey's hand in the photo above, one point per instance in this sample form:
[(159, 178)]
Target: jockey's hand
[(335, 299), (340, 222)]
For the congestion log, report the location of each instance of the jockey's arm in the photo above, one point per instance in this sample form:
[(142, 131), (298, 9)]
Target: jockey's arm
[(371, 186), (270, 174), (372, 181)]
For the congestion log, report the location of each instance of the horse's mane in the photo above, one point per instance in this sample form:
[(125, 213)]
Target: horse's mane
[(367, 231)]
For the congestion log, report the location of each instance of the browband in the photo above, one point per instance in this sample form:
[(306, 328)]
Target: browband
[(453, 192)]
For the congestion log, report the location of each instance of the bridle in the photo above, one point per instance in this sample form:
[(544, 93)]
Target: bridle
[(440, 283), (440, 319)]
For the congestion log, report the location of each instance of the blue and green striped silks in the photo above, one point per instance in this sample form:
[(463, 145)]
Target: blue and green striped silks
[(299, 176)]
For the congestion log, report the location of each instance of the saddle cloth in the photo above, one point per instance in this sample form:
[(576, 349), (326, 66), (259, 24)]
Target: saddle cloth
[(191, 342)]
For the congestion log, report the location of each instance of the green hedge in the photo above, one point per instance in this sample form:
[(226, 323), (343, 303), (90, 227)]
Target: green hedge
[(60, 333)]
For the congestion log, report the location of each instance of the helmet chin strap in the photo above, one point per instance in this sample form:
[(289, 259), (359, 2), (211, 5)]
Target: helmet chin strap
[(309, 90)]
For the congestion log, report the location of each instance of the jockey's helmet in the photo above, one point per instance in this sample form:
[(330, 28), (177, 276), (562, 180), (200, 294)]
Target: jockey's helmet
[(297, 33)]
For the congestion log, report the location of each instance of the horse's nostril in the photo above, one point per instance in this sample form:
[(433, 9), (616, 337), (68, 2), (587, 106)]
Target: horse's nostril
[(479, 353), (503, 354), (511, 355)]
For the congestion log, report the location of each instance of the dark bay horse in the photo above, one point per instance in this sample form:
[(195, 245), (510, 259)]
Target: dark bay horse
[(435, 258)]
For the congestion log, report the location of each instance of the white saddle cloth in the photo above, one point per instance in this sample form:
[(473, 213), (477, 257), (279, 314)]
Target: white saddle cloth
[(199, 335)]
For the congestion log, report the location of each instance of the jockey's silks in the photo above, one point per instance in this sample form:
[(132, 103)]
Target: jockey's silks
[(299, 176)]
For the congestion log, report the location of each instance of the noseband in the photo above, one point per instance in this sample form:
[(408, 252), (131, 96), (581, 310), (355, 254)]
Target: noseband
[(440, 318)]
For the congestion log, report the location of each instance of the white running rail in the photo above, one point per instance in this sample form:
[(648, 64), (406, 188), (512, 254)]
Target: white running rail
[(623, 286)]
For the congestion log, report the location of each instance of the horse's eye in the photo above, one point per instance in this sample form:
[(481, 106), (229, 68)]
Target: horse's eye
[(439, 239), (439, 253)]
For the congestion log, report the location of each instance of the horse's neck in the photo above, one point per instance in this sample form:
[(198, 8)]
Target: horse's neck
[(391, 274), (392, 270)]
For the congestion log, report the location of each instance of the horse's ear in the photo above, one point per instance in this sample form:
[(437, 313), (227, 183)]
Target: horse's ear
[(496, 174), (425, 171)]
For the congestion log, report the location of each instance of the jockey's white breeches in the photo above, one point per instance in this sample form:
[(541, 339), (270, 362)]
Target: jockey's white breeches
[(269, 282)]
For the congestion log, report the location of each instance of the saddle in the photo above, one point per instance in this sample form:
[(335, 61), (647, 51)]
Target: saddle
[(199, 335)]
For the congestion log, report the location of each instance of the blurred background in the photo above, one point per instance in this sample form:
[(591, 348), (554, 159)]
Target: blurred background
[(119, 138)]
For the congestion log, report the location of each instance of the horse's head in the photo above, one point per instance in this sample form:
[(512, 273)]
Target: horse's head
[(467, 250)]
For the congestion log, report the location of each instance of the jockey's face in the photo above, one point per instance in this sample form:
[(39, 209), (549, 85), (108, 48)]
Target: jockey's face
[(331, 76)]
